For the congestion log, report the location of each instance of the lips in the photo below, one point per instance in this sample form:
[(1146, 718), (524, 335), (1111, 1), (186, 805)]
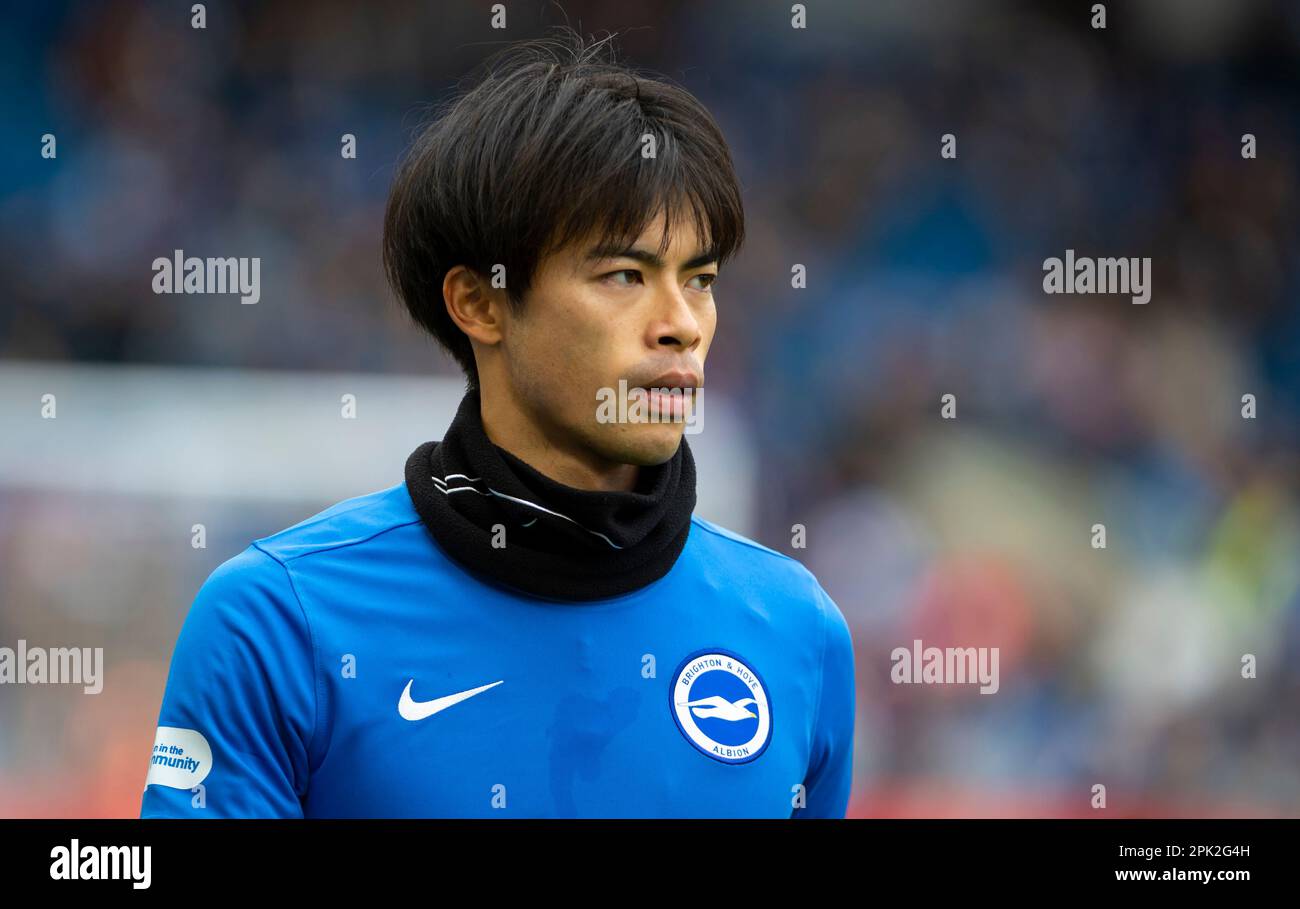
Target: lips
[(674, 380)]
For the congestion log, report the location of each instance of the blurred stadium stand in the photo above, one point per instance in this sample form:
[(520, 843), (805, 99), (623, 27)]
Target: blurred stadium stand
[(1118, 666)]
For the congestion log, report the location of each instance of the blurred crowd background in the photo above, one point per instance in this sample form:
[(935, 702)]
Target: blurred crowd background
[(1119, 666)]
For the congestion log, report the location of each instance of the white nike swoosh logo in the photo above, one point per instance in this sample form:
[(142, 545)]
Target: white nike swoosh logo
[(418, 710)]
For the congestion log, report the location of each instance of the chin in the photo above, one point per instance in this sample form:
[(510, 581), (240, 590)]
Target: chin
[(646, 445)]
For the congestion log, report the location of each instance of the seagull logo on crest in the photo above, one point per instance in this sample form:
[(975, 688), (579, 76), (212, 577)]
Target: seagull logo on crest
[(719, 708)]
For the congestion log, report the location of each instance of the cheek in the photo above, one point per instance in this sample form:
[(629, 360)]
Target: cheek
[(708, 325), (553, 355), (579, 340), (581, 336)]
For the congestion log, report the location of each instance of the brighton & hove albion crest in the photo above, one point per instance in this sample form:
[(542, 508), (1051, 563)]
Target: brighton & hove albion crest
[(721, 706)]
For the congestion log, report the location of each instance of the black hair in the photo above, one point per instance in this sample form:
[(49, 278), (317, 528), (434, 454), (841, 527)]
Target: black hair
[(544, 149)]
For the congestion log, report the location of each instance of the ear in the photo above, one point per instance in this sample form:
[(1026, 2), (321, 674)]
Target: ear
[(475, 306)]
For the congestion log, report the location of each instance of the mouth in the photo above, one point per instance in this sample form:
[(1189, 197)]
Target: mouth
[(671, 397)]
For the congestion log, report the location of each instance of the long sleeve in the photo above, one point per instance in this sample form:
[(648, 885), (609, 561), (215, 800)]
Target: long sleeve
[(239, 709), (830, 771)]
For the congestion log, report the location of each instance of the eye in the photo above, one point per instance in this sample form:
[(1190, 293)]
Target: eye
[(711, 279), (625, 271)]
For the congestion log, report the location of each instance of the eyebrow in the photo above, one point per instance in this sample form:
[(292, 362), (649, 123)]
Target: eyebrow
[(597, 253)]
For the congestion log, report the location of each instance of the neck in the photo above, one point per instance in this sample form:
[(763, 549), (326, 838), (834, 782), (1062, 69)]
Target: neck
[(565, 461), (566, 542)]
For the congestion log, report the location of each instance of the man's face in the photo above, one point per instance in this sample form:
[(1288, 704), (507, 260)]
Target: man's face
[(593, 317)]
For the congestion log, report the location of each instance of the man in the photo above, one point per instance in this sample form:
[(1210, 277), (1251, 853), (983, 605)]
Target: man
[(533, 624)]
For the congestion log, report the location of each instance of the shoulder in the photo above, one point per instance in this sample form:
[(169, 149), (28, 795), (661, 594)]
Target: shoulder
[(349, 523), (789, 592), (263, 573), (775, 571), (741, 546)]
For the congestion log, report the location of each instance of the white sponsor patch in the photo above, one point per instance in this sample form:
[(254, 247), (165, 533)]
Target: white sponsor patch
[(181, 758)]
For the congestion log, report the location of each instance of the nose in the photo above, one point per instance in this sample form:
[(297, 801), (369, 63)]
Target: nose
[(676, 323)]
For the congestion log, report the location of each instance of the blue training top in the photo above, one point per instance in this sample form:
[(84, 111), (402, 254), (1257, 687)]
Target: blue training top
[(346, 667)]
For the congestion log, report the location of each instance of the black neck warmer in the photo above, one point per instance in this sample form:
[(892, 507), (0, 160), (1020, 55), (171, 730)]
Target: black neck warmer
[(560, 542)]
